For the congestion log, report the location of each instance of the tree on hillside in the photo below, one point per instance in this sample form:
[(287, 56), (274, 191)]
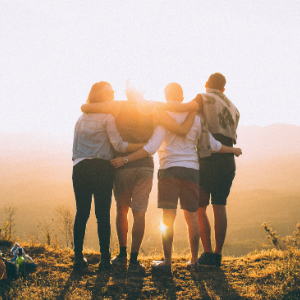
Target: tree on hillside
[(66, 223), (10, 223), (46, 231)]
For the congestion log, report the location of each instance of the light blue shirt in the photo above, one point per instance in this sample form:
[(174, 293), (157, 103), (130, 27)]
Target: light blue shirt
[(94, 135)]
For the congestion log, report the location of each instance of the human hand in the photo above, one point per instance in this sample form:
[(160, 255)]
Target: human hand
[(237, 151), (117, 162)]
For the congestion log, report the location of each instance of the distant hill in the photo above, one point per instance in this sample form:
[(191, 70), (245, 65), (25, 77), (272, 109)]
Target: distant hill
[(269, 141), (36, 172)]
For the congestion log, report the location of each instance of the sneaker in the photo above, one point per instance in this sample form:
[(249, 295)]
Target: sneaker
[(207, 260), (218, 259), (191, 267), (119, 261), (80, 263), (157, 266), (137, 267)]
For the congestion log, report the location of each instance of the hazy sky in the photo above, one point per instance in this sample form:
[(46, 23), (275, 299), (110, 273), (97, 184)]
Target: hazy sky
[(51, 52)]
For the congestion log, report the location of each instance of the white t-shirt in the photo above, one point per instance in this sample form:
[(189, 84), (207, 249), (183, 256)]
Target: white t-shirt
[(175, 150)]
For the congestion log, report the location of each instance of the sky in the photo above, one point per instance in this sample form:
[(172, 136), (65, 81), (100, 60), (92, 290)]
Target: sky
[(52, 52)]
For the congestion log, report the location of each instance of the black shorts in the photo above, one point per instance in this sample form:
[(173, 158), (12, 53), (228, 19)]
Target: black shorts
[(216, 176), (178, 182)]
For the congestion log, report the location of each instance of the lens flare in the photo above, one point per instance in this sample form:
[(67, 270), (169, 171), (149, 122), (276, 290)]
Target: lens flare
[(162, 227)]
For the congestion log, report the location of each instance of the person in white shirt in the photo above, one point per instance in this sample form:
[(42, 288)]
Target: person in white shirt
[(178, 176)]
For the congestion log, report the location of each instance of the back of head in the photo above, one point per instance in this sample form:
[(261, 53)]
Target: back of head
[(98, 92), (216, 81), (174, 92)]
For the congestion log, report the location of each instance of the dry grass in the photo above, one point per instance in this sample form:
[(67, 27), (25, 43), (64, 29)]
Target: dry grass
[(269, 274)]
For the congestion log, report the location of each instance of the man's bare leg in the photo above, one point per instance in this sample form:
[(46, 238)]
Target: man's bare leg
[(138, 230), (167, 237), (205, 230), (194, 233), (122, 224), (220, 224)]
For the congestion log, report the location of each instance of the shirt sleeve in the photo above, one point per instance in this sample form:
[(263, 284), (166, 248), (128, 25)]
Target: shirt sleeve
[(114, 135), (156, 139), (215, 145)]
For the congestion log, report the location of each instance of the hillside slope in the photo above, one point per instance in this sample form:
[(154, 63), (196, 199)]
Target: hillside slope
[(263, 275)]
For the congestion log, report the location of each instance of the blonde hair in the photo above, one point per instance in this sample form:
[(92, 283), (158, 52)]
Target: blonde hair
[(98, 86)]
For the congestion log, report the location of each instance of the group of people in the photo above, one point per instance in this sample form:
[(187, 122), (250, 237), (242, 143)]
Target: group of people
[(113, 146)]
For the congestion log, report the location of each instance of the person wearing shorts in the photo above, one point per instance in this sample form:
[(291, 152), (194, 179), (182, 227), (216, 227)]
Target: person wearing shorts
[(218, 171), (133, 182), (178, 176)]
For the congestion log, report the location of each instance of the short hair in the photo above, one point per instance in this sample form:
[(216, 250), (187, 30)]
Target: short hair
[(92, 98), (216, 81), (174, 91)]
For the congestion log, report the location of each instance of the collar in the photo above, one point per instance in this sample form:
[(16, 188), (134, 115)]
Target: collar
[(208, 90)]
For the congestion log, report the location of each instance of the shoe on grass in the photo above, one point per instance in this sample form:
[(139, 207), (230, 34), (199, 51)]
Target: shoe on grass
[(157, 266), (137, 267), (104, 265), (80, 263), (207, 259), (218, 260), (119, 261), (191, 267)]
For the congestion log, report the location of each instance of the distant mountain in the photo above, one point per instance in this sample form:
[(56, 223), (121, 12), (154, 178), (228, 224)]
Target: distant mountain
[(270, 157), (273, 140), (36, 176)]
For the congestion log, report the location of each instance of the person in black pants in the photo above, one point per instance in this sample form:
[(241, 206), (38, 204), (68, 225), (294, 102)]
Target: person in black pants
[(93, 174)]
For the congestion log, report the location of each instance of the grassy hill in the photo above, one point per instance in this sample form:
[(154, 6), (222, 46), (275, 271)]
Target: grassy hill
[(269, 274)]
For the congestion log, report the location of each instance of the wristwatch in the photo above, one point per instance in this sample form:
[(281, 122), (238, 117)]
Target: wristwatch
[(125, 160)]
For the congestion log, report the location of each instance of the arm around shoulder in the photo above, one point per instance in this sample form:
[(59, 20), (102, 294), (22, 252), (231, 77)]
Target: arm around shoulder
[(164, 119), (181, 107), (110, 107)]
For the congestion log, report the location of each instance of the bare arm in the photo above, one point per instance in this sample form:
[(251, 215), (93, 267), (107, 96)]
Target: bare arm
[(178, 107), (236, 151), (119, 161), (134, 147), (109, 107), (216, 146), (164, 119), (149, 149)]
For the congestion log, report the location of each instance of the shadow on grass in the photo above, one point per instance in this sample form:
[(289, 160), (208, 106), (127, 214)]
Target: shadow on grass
[(164, 283), (135, 285), (74, 277), (214, 281), (100, 288), (118, 283)]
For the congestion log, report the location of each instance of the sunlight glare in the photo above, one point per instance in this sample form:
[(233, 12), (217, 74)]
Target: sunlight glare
[(162, 227)]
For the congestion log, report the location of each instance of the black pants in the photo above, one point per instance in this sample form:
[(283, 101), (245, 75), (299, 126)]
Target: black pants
[(92, 177)]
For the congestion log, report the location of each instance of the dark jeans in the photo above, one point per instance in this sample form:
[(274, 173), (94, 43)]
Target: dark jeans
[(92, 177)]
